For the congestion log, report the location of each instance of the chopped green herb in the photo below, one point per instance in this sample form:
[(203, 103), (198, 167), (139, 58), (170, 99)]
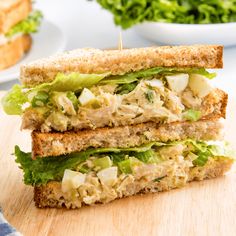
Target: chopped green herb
[(149, 95), (159, 179)]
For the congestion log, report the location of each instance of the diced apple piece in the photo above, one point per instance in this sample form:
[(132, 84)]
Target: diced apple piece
[(178, 82), (86, 97), (108, 176), (200, 85)]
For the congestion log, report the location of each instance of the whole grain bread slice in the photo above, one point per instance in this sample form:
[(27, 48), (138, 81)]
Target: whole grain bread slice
[(12, 12), (55, 144), (51, 195), (91, 60)]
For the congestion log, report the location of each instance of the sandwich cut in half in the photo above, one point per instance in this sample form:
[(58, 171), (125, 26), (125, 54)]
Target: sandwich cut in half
[(17, 21), (107, 124)]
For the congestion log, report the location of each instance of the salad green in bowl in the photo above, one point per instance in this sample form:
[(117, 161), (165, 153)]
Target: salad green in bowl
[(130, 12), (177, 22)]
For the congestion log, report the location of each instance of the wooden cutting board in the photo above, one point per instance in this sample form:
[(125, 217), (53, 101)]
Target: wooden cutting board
[(201, 208)]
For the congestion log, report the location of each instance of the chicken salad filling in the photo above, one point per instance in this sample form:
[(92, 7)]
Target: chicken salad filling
[(82, 101), (107, 164), (77, 190), (102, 175)]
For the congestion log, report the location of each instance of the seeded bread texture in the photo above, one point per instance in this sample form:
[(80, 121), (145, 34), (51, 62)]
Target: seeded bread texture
[(12, 12), (55, 144), (13, 51), (121, 61), (50, 195)]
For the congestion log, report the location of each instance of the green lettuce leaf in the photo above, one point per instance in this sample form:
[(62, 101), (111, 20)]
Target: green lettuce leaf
[(135, 76), (42, 170), (27, 26), (132, 77), (72, 82), (149, 156), (12, 102), (129, 13), (222, 150), (126, 88)]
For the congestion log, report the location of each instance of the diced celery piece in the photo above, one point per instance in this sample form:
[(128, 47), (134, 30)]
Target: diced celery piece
[(40, 99), (202, 159), (125, 166), (103, 162), (73, 98)]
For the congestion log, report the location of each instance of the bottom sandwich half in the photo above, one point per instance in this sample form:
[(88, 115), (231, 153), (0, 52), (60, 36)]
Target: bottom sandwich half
[(101, 175)]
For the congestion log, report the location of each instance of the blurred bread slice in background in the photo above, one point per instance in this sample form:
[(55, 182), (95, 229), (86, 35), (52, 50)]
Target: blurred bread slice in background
[(14, 50), (12, 12)]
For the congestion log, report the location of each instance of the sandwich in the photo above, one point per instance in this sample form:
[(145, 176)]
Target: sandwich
[(17, 21), (108, 124)]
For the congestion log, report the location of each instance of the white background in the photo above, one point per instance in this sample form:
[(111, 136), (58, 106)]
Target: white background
[(85, 24)]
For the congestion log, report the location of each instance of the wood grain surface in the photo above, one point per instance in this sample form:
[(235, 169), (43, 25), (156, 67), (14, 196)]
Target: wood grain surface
[(201, 208)]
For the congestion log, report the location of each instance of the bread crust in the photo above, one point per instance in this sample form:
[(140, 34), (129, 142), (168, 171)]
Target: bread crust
[(55, 144), (50, 195), (91, 60), (13, 51), (12, 12)]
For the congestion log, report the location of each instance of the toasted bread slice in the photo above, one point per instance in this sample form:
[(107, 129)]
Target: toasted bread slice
[(13, 51), (121, 61), (12, 12), (55, 144), (51, 195)]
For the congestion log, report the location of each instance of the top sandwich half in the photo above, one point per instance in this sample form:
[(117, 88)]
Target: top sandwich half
[(91, 88)]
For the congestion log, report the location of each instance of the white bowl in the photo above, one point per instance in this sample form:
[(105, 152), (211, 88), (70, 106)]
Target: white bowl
[(184, 34)]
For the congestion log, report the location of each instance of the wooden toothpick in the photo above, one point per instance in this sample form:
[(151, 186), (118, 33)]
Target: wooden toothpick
[(120, 42)]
